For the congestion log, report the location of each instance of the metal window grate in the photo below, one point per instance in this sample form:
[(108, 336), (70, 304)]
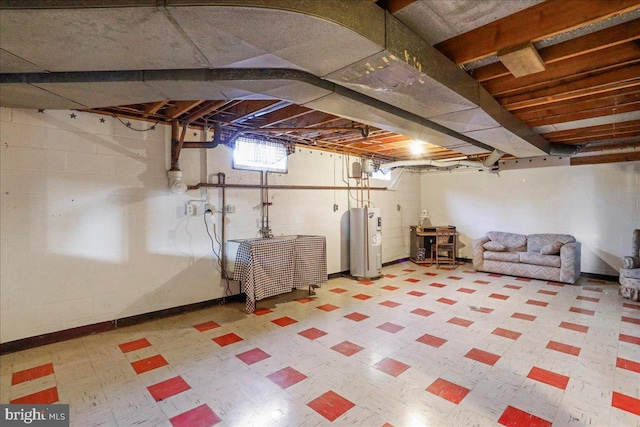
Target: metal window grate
[(260, 154)]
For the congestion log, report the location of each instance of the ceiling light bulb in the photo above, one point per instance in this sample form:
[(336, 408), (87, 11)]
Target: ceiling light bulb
[(417, 147)]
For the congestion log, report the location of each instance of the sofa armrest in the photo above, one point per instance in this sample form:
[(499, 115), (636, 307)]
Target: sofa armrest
[(478, 252), (630, 262), (570, 257)]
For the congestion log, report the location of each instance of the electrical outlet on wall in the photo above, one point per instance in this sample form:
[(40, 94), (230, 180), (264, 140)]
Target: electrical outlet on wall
[(189, 209)]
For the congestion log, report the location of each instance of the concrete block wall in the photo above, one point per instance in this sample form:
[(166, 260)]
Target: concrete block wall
[(89, 231), (598, 204)]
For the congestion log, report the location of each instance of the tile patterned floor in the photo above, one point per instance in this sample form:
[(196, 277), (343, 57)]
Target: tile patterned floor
[(418, 347)]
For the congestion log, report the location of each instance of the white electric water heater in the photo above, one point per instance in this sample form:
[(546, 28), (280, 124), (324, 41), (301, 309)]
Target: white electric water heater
[(365, 242)]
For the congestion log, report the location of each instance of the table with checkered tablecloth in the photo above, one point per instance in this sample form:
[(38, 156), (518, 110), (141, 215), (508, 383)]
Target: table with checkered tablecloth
[(268, 267)]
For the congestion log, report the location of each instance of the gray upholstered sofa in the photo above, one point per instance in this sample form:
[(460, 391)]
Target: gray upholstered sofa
[(630, 271), (553, 257)]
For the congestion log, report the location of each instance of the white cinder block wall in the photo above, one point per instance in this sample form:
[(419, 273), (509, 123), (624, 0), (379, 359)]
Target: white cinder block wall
[(598, 204), (89, 231)]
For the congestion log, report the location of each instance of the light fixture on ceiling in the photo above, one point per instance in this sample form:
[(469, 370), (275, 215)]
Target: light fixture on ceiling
[(417, 147)]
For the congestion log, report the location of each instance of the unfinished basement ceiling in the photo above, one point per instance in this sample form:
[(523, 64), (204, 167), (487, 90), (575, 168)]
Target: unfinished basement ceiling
[(364, 80)]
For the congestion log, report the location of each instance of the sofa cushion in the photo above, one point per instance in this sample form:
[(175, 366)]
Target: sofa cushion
[(539, 259), (510, 240), (629, 273), (551, 248), (502, 256), (535, 242), (493, 245)]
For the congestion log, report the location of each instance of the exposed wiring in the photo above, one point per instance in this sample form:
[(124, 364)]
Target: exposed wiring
[(214, 239), (205, 200)]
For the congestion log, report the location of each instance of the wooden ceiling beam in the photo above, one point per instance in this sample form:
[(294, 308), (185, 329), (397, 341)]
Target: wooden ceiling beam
[(603, 136), (609, 131), (605, 158), (374, 136), (407, 145), (612, 58), (535, 23), (589, 113), (154, 107), (285, 114), (316, 118), (181, 107), (626, 144), (248, 109), (598, 100), (626, 77), (206, 108), (379, 139), (594, 129), (589, 43)]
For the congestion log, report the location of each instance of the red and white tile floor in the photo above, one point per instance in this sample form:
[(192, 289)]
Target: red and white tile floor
[(418, 347)]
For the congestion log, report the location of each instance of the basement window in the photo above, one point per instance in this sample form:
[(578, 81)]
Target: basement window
[(256, 154)]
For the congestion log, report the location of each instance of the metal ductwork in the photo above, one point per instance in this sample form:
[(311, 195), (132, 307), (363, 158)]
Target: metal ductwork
[(564, 150), (358, 62), (435, 163), (492, 159)]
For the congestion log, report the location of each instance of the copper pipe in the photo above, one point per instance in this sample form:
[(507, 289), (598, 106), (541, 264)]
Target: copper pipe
[(175, 146)]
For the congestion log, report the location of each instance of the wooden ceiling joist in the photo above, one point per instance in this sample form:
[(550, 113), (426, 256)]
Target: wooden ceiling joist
[(581, 135), (585, 107), (613, 58), (246, 111), (587, 114), (626, 144), (181, 107), (605, 158), (538, 22), (285, 115), (626, 77), (583, 45), (154, 107), (590, 113)]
